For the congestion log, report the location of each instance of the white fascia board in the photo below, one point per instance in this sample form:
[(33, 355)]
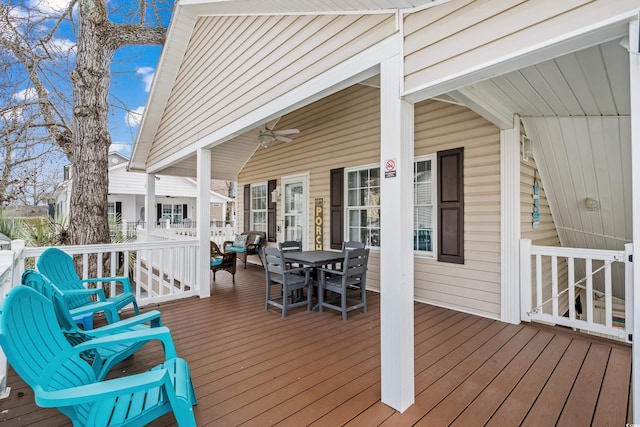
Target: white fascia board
[(591, 35), (362, 66), (166, 72)]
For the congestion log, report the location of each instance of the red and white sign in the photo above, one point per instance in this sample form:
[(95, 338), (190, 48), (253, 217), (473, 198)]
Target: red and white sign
[(390, 168)]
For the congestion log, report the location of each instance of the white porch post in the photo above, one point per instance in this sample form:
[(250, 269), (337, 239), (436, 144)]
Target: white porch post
[(150, 202), (204, 218), (634, 89), (510, 220), (396, 230)]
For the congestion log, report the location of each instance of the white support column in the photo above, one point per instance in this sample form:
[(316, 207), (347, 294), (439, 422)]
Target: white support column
[(634, 92), (510, 222), (396, 230), (204, 218), (150, 203)]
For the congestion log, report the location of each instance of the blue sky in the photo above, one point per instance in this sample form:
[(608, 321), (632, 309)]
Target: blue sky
[(132, 70), (130, 83)]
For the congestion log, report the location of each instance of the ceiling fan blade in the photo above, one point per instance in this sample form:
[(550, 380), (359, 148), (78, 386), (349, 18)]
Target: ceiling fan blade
[(283, 138), (286, 131)]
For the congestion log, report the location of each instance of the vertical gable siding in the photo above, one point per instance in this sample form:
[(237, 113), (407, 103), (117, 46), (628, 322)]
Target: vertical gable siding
[(461, 34), (343, 130), (234, 65)]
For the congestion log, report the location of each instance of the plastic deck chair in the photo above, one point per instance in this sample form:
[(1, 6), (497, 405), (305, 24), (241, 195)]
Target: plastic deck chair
[(41, 355), (102, 358), (352, 276), (58, 266)]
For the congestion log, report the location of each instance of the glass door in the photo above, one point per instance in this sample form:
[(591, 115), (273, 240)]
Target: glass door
[(295, 209)]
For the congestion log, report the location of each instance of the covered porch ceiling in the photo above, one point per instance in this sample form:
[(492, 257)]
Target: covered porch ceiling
[(576, 110)]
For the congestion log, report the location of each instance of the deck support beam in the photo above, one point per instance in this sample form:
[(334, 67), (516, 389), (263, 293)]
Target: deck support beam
[(634, 93), (150, 203), (396, 230), (510, 222), (204, 218)]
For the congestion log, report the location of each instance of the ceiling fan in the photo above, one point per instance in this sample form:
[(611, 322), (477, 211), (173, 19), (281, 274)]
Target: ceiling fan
[(267, 136)]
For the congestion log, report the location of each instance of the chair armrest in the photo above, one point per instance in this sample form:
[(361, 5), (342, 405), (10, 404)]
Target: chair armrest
[(96, 307), (323, 270), (152, 316), (305, 270), (103, 389), (161, 333), (90, 291), (124, 280), (226, 243)]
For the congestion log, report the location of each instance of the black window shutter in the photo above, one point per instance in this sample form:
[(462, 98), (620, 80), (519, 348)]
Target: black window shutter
[(247, 207), (336, 208), (158, 212), (451, 206), (184, 211), (271, 212), (119, 209)]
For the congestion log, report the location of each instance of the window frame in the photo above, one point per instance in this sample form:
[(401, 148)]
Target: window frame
[(434, 205), (348, 208), (253, 210)]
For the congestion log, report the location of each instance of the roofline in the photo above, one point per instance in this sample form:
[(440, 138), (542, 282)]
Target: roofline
[(184, 17)]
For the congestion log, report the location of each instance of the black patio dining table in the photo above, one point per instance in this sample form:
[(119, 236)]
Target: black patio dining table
[(314, 258)]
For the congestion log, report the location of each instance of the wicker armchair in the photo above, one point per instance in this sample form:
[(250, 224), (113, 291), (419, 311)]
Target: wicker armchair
[(222, 261), (254, 242)]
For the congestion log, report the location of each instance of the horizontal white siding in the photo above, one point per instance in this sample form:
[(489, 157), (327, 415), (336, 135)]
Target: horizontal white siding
[(235, 64), (463, 34), (343, 130)]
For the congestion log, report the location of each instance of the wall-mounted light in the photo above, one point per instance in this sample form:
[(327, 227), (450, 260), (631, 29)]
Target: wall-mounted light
[(591, 204), (527, 148), (275, 194)]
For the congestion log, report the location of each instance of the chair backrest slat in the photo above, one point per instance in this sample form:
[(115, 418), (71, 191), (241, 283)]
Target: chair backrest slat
[(58, 266)]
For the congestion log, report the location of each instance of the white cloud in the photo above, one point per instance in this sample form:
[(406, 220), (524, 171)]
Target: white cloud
[(133, 117), (147, 76), (48, 6), (28, 94), (63, 45), (121, 147)]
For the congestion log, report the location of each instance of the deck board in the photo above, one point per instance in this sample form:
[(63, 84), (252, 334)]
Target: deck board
[(251, 367)]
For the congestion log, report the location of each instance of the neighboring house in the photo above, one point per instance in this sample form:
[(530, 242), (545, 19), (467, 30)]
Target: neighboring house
[(175, 200), (439, 133)]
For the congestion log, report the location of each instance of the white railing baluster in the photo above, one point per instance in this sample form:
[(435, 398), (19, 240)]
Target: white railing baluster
[(628, 290), (608, 293), (588, 270), (539, 282), (572, 288), (554, 284)]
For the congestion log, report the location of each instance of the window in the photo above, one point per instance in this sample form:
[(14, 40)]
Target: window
[(174, 213), (112, 214), (363, 205), (423, 204), (259, 207)]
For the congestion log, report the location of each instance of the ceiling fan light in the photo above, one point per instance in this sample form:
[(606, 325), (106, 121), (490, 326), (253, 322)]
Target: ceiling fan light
[(265, 139)]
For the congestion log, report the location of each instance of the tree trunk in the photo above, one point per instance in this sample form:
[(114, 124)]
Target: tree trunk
[(91, 140)]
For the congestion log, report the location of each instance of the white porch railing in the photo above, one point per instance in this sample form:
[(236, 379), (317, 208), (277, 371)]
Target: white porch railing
[(552, 277), (217, 234), (159, 271)]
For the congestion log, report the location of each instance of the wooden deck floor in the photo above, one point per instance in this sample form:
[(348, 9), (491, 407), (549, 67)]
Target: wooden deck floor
[(251, 367)]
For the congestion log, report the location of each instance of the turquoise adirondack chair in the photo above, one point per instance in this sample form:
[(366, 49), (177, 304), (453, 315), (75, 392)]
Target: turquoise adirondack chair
[(58, 266), (102, 358), (41, 355)]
